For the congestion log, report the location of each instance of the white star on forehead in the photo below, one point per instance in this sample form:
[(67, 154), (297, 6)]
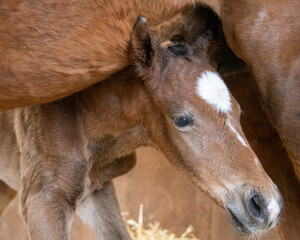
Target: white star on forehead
[(212, 89)]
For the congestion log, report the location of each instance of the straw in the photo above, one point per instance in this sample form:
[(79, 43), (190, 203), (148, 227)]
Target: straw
[(154, 231)]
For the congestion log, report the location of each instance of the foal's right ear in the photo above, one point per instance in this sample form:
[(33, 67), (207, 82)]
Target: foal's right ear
[(142, 45)]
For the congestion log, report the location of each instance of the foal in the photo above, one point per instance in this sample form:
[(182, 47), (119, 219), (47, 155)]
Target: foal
[(63, 155)]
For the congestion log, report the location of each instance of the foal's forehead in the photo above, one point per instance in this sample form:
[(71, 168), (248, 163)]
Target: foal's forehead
[(198, 76), (212, 89)]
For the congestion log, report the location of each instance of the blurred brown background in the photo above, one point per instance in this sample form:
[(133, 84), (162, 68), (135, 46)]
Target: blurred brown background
[(171, 200)]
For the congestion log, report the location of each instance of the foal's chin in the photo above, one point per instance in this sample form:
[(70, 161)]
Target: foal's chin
[(240, 227), (244, 231)]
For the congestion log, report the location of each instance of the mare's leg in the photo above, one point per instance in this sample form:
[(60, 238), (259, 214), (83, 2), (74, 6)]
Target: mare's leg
[(268, 147), (101, 212), (257, 32)]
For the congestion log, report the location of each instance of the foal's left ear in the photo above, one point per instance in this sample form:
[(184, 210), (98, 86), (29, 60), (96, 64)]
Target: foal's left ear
[(142, 45)]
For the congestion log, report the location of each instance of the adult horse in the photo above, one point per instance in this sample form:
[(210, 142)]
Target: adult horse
[(50, 49)]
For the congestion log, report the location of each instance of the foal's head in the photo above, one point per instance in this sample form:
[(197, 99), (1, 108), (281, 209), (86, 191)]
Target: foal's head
[(195, 122)]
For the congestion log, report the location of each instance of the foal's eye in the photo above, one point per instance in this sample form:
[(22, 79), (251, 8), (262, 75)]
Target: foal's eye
[(183, 121)]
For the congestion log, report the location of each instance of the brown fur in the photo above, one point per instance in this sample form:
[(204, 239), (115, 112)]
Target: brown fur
[(50, 49), (265, 34), (65, 153)]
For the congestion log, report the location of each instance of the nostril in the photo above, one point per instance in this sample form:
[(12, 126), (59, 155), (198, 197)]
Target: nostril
[(255, 207)]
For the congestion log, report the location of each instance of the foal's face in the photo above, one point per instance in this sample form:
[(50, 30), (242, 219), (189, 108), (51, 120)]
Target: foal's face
[(196, 124), (203, 138)]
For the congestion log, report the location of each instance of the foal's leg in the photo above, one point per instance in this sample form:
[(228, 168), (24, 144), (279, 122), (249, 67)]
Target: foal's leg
[(48, 197), (6, 195), (48, 216), (101, 212)]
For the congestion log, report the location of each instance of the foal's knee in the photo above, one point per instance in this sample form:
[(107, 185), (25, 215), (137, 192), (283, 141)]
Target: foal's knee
[(45, 204), (48, 215)]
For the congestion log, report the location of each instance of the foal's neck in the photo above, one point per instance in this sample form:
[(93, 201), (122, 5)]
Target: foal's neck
[(117, 108)]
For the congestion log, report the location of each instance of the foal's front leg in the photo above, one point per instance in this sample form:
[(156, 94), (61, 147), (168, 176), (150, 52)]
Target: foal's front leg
[(101, 212), (48, 216), (48, 197)]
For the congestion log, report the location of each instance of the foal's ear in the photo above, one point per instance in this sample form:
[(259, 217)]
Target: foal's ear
[(142, 45), (178, 46)]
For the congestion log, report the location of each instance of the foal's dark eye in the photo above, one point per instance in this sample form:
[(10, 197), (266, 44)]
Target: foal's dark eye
[(183, 121)]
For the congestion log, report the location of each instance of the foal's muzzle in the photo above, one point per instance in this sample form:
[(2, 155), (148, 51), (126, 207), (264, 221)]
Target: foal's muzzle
[(254, 212)]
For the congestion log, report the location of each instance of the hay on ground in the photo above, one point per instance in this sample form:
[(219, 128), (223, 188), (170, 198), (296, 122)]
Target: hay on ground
[(153, 231)]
